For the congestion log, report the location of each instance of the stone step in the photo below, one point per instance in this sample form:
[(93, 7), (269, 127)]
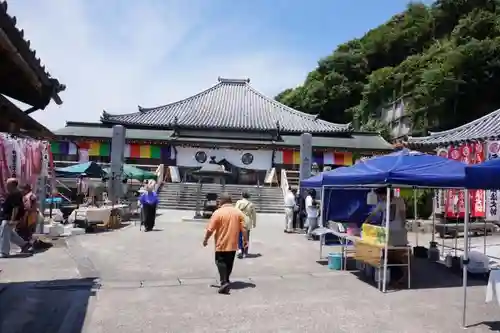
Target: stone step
[(178, 207), (184, 196)]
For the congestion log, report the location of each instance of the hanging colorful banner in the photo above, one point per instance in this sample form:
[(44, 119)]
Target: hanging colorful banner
[(439, 201), (469, 153), (63, 148), (492, 213), (291, 157), (95, 148), (478, 197), (143, 151), (452, 196), (99, 149)]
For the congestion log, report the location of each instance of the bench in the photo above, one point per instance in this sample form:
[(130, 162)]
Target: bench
[(454, 229)]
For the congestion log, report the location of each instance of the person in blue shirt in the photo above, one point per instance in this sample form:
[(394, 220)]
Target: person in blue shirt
[(149, 203)]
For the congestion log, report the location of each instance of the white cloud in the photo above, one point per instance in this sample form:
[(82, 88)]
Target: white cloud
[(115, 55)]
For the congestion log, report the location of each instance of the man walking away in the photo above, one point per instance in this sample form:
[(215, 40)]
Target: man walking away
[(289, 209), (12, 214), (248, 209), (226, 224), (312, 210)]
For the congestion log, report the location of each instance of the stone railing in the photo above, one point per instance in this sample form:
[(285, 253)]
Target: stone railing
[(160, 174), (284, 182), (175, 176)]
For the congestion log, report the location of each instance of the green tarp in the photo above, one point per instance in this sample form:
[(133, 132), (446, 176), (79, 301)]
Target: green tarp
[(89, 169), (132, 172)]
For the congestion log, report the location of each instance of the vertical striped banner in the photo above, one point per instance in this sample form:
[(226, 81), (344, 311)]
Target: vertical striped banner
[(146, 151), (317, 157), (287, 156), (337, 158), (291, 157), (63, 148), (99, 149)]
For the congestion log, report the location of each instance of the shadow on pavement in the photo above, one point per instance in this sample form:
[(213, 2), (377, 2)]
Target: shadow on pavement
[(494, 326), (253, 255), (237, 285), (45, 306), (430, 275)]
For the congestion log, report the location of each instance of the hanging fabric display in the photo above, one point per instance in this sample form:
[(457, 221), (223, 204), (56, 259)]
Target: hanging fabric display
[(23, 159), (492, 213)]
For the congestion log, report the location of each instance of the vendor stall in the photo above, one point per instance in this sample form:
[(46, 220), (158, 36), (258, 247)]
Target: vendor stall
[(400, 169)]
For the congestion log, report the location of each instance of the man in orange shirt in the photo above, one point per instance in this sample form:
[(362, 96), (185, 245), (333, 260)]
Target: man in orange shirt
[(226, 222)]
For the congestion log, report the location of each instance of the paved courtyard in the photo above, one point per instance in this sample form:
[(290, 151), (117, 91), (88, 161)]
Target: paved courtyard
[(159, 282)]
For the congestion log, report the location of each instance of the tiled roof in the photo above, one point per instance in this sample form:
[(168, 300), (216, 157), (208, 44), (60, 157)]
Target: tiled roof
[(230, 104), (480, 129), (16, 37)]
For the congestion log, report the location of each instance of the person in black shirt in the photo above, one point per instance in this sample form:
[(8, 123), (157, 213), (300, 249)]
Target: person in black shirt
[(12, 213)]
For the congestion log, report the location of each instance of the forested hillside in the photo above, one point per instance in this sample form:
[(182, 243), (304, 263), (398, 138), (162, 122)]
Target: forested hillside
[(444, 59)]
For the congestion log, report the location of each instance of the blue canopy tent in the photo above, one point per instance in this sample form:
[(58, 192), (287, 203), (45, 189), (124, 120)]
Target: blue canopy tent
[(89, 169), (402, 168), (484, 175)]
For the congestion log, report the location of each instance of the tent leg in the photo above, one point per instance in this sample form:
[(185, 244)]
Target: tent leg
[(321, 216), (465, 258), (415, 228), (386, 249)]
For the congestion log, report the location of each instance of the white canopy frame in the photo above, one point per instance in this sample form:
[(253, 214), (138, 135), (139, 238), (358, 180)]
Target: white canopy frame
[(389, 187)]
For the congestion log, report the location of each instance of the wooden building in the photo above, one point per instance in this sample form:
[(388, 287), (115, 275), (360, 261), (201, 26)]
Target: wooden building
[(231, 122), (23, 78)]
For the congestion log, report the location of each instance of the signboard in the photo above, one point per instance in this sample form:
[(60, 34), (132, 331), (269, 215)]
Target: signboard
[(373, 234), (117, 158), (492, 213), (478, 196), (305, 155)]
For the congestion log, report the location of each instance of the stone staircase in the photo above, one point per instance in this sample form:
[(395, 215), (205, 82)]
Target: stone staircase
[(182, 196)]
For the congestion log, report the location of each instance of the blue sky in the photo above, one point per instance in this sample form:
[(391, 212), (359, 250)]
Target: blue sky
[(117, 54)]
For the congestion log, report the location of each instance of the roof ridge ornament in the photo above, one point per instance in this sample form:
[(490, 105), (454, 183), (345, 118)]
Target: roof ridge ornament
[(235, 81), (105, 115)]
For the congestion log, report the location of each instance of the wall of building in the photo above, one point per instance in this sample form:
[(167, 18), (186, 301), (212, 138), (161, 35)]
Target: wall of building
[(152, 154)]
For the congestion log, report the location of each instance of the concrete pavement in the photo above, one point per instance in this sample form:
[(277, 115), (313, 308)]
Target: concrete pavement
[(159, 282)]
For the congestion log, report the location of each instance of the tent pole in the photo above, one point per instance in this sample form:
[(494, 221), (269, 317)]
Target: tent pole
[(465, 257), (321, 215), (386, 248), (434, 203), (485, 237), (415, 215)]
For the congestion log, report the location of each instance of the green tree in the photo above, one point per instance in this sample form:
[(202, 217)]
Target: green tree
[(444, 59)]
